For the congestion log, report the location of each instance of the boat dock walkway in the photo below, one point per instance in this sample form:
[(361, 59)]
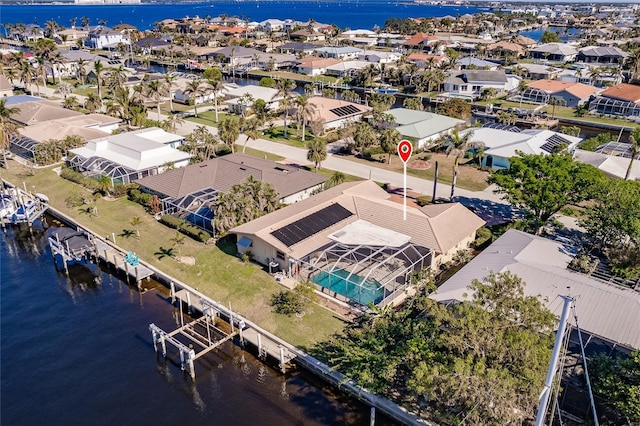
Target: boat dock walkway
[(125, 262)]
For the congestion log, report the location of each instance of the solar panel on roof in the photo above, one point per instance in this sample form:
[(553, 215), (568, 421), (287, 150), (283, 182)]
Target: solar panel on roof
[(501, 126), (343, 111), (553, 142), (303, 228)]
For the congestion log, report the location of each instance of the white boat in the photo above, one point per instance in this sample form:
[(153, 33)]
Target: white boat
[(7, 206)]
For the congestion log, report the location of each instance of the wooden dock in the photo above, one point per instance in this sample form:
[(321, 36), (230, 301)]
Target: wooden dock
[(116, 257)]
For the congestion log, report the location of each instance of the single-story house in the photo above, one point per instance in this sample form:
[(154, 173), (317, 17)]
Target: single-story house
[(37, 111), (554, 52), (614, 166), (538, 71), (334, 113), (477, 63), (346, 68), (505, 48), (313, 65), (573, 93), (421, 40), (236, 97), (471, 83), (622, 99), (606, 311), (308, 35), (602, 55), (297, 47), (346, 52), (379, 57), (500, 145), (421, 126), (351, 241), (129, 156), (189, 191), (423, 60)]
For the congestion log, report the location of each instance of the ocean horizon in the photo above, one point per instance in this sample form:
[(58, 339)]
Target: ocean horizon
[(353, 14)]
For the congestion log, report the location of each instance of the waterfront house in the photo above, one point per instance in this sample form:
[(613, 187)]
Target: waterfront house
[(342, 53), (36, 111), (421, 41), (353, 236), (471, 83), (574, 94), (129, 156), (504, 48), (237, 98), (347, 68), (612, 162), (189, 191), (602, 55), (30, 33), (554, 52), (476, 63), (307, 35), (298, 48), (335, 113), (622, 100), (101, 37), (606, 311), (423, 60), (422, 127), (500, 145), (379, 57), (313, 65), (537, 71)]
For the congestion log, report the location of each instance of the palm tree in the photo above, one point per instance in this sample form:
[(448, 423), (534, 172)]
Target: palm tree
[(85, 22), (251, 129), (336, 179), (285, 87), (363, 136), (169, 81), (8, 128), (135, 222), (81, 72), (216, 87), (117, 79), (634, 141), (93, 102), (70, 102), (194, 89), (305, 111), (64, 89), (229, 131), (177, 241), (389, 139), (174, 120), (98, 69), (317, 152), (458, 144), (55, 59), (553, 101), (156, 91)]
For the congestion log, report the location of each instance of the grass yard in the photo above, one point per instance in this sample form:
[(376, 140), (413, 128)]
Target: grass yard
[(469, 175), (208, 118), (223, 277)]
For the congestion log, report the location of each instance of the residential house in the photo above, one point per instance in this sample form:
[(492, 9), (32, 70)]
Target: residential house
[(606, 311), (313, 65), (422, 127), (342, 53), (574, 94), (307, 35), (240, 99), (351, 34), (379, 57), (129, 156), (102, 37), (272, 25), (622, 99), (476, 63), (30, 33), (471, 83), (346, 68), (189, 191), (554, 52), (70, 36), (6, 87), (602, 55), (500, 145), (151, 44), (31, 111), (504, 48), (423, 60), (613, 165), (335, 113), (421, 41), (537, 71), (351, 241), (298, 48)]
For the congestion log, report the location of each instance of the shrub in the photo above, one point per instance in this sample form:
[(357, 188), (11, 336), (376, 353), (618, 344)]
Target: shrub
[(483, 235), (139, 197), (289, 302), (189, 230), (370, 152), (423, 200), (79, 178)]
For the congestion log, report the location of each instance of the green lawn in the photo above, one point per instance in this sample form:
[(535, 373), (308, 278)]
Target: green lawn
[(259, 154), (223, 277), (208, 118), (294, 76)]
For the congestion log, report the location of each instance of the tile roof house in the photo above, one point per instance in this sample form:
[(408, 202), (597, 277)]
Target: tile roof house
[(221, 173), (313, 65), (622, 99), (602, 55), (358, 217), (555, 52), (501, 145), (422, 60), (573, 93), (503, 48), (421, 126), (38, 111), (334, 113), (421, 40), (605, 310)]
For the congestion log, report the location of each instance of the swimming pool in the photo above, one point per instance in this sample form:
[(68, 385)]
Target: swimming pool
[(357, 288)]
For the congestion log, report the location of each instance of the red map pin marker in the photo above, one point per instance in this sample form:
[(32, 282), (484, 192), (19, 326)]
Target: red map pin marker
[(404, 150)]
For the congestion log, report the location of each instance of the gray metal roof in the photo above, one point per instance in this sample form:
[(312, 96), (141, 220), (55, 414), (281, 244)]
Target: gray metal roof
[(608, 311)]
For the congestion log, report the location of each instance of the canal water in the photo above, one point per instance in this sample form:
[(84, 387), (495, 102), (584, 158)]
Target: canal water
[(77, 350)]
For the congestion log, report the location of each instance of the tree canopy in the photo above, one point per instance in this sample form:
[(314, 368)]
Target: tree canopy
[(550, 37), (541, 185), (482, 360), (456, 108)]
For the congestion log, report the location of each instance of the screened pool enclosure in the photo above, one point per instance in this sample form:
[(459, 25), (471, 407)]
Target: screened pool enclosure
[(194, 208), (365, 274)]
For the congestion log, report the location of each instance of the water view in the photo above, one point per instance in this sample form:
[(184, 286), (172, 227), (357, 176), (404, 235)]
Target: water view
[(77, 350)]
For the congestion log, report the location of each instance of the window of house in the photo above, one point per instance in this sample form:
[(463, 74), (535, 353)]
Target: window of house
[(463, 88), (476, 88), (456, 87), (280, 255)]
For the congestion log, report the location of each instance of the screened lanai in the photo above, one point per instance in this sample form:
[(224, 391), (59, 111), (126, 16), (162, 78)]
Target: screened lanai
[(603, 105), (194, 207), (24, 147), (534, 95), (619, 149), (365, 274), (98, 167)]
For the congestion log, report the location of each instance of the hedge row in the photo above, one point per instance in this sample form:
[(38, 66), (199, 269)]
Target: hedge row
[(79, 178), (140, 197), (184, 227)]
